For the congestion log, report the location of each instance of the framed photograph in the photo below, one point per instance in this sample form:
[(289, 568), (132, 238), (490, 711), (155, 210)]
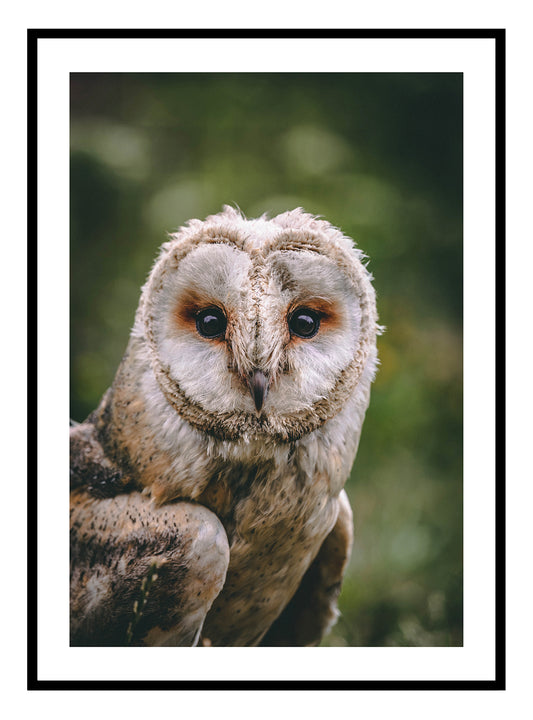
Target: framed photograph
[(391, 142)]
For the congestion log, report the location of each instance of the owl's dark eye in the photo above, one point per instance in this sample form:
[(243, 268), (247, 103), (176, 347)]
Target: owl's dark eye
[(304, 323), (211, 323)]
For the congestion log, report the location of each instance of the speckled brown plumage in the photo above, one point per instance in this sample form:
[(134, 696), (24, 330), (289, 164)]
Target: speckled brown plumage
[(235, 506), (119, 543)]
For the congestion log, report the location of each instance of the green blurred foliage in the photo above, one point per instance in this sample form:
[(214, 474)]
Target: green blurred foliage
[(379, 155)]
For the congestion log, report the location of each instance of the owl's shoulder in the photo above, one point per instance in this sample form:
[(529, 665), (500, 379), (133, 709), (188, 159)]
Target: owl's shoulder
[(90, 467)]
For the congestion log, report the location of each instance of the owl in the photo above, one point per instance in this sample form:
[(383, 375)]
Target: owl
[(207, 503)]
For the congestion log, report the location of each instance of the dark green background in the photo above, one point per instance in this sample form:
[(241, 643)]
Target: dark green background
[(379, 155)]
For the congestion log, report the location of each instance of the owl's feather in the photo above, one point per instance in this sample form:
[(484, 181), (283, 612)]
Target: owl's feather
[(312, 611), (181, 423), (89, 465)]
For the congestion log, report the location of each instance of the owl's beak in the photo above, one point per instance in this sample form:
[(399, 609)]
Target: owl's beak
[(258, 384)]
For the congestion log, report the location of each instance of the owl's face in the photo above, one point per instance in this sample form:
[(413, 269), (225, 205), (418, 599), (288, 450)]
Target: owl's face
[(259, 326)]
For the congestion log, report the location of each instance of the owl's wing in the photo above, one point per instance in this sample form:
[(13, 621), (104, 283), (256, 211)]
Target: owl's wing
[(313, 609), (141, 574), (89, 465)]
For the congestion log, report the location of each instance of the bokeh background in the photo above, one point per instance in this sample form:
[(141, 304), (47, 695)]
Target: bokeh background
[(379, 155)]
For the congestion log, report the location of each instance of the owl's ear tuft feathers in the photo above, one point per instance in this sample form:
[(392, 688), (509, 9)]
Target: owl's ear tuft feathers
[(301, 220), (296, 219), (229, 214), (232, 212)]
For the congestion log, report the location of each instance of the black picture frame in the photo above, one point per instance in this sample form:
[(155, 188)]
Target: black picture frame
[(33, 680)]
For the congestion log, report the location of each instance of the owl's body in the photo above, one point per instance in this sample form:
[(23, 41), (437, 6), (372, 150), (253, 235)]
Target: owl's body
[(243, 390)]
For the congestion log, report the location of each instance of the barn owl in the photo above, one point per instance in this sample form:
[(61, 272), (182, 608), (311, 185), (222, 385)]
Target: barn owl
[(207, 501)]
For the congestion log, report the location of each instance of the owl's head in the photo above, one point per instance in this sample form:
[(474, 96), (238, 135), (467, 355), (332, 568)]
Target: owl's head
[(259, 327)]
